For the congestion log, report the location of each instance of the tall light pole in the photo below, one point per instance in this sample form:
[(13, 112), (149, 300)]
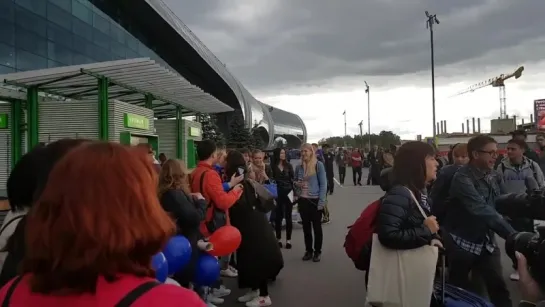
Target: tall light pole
[(368, 114), (361, 133), (431, 20), (344, 137)]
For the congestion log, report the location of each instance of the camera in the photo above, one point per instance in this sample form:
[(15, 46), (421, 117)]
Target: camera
[(530, 205), (532, 246)]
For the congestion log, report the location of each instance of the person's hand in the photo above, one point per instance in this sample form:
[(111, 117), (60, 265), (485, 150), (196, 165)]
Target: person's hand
[(431, 223), (529, 288), (437, 243), (264, 175), (238, 187), (236, 179), (197, 196)]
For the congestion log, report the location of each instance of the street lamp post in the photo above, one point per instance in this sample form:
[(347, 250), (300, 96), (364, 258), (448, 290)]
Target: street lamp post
[(361, 133), (344, 137), (431, 20), (368, 114)]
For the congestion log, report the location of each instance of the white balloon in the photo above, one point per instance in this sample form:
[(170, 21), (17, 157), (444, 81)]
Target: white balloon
[(171, 281)]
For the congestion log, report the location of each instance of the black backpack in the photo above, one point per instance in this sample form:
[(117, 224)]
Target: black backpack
[(126, 301)]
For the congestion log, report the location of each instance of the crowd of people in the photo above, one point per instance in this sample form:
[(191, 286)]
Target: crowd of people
[(87, 217), (459, 211)]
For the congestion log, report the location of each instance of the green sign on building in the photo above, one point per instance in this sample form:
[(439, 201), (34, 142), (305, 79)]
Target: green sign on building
[(3, 121), (136, 121)]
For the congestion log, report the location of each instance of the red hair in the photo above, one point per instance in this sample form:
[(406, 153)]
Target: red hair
[(98, 216)]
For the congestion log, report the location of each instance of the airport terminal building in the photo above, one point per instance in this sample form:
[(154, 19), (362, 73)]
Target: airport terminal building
[(40, 34)]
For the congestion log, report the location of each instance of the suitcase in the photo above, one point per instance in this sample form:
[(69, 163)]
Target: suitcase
[(446, 295)]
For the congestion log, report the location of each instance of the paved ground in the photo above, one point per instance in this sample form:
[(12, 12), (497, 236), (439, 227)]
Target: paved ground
[(334, 281)]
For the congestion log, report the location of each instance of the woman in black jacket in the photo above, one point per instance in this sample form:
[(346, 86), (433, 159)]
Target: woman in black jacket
[(186, 208), (400, 224), (283, 175)]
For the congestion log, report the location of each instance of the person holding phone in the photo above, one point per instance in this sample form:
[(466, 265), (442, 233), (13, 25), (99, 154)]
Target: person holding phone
[(283, 174)]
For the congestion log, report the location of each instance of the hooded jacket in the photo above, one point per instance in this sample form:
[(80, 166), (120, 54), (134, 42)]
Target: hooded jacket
[(517, 177)]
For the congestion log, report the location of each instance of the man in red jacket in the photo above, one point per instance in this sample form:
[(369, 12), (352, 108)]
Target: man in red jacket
[(356, 159)]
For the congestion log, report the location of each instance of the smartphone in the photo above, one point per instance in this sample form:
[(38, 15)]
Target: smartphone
[(240, 171)]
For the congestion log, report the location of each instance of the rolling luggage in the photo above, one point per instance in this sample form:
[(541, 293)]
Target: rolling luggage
[(446, 295)]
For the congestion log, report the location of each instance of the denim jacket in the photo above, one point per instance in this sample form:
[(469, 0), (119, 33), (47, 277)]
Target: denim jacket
[(472, 214), (317, 184)]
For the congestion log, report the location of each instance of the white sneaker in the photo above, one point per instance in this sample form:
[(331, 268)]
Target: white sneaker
[(211, 299), (233, 269), (260, 301), (251, 295), (228, 273), (514, 276), (221, 291)]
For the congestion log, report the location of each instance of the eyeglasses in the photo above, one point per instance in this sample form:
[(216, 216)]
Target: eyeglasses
[(493, 153)]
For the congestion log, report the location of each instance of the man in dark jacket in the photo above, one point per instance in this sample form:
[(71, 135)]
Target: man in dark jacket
[(329, 157), (472, 221), (528, 152)]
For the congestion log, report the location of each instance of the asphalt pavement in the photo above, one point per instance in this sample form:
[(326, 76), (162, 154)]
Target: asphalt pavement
[(334, 281)]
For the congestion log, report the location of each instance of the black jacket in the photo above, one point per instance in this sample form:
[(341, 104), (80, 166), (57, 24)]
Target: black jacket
[(439, 193), (188, 214), (400, 224), (329, 157), (284, 178)]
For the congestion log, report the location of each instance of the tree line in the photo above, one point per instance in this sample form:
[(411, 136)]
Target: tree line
[(238, 136), (383, 139)]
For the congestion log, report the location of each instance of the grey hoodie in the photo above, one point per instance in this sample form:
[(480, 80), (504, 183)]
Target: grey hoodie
[(516, 178)]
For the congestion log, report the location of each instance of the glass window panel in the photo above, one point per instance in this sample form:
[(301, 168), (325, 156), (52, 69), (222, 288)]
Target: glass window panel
[(82, 29), (59, 35), (81, 59), (36, 6), (52, 64), (7, 55), (30, 42), (7, 10), (119, 50), (63, 4), (6, 70), (59, 16), (131, 42), (29, 61), (131, 54), (59, 53), (117, 33), (7, 32), (97, 53), (30, 21), (79, 44), (80, 11), (101, 39), (101, 23)]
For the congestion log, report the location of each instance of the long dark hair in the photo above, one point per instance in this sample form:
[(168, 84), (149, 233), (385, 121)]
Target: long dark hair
[(409, 168), (234, 161)]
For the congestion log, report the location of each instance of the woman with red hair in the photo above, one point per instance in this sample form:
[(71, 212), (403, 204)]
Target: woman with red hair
[(92, 233)]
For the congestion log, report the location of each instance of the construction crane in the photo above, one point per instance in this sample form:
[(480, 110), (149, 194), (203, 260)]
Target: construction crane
[(499, 82)]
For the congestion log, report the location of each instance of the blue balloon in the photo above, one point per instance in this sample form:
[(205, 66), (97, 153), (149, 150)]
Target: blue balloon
[(160, 265), (178, 253), (208, 270)]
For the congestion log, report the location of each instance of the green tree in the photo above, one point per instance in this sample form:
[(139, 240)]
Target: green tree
[(239, 135), (256, 140), (383, 139), (210, 130)]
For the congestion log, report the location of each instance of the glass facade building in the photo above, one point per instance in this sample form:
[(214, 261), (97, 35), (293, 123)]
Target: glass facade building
[(36, 34)]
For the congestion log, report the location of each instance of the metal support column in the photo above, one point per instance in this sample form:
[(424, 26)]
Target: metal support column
[(179, 134), (32, 118), (148, 102), (103, 109), (16, 136)]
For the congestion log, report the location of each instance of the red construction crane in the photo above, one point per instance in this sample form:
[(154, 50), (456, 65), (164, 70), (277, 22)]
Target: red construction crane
[(498, 81)]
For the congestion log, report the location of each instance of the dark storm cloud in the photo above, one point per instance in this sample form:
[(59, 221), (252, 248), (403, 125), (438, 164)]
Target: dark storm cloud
[(304, 42)]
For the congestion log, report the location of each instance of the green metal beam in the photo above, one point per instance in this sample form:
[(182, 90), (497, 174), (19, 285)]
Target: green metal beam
[(103, 108), (179, 134), (32, 118), (16, 135)]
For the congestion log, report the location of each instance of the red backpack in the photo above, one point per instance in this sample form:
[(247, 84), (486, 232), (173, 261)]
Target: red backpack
[(357, 243)]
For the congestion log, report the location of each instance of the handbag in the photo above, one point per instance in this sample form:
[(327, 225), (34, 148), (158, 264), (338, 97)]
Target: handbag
[(272, 188), (401, 278), (265, 199)]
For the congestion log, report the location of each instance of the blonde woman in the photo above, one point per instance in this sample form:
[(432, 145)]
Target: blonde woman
[(311, 189), (186, 209), (259, 171)]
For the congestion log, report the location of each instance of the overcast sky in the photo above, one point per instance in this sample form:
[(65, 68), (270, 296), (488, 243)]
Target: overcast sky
[(311, 57)]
